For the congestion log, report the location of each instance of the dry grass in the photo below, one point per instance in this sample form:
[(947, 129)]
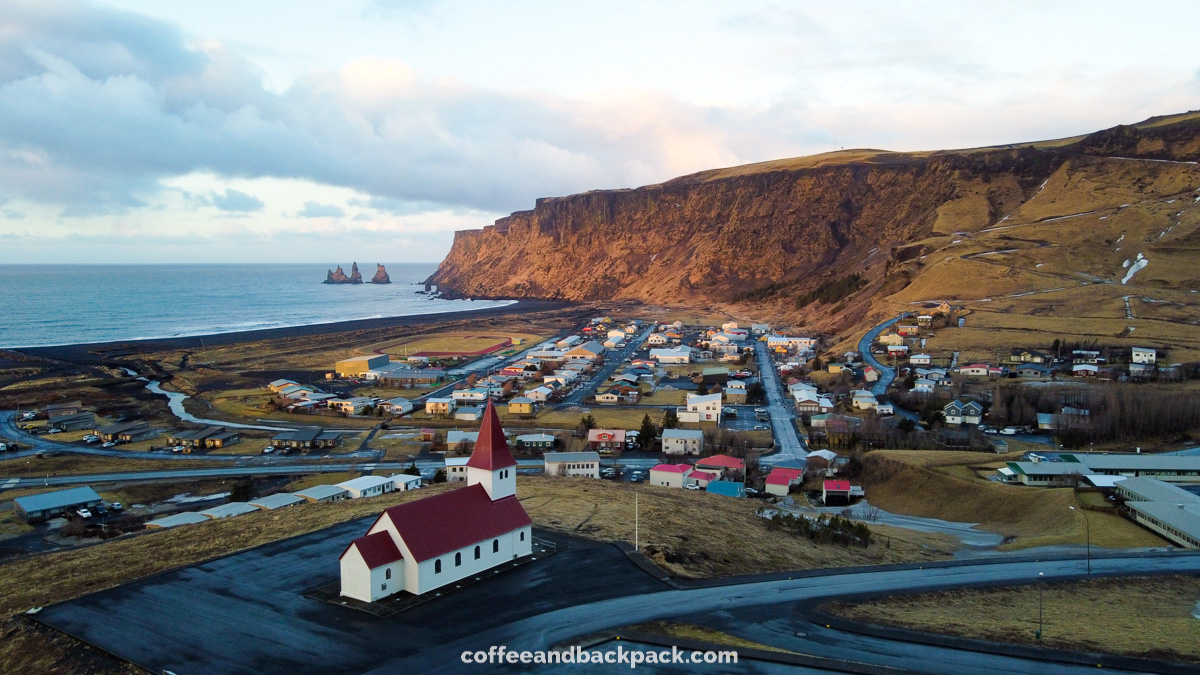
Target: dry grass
[(451, 341), (935, 485), (1148, 617), (689, 631)]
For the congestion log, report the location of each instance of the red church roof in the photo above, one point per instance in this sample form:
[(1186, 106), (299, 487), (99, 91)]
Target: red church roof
[(376, 549), (491, 450), (439, 524)]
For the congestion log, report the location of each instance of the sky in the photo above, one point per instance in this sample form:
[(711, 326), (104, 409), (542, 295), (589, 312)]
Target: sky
[(160, 131)]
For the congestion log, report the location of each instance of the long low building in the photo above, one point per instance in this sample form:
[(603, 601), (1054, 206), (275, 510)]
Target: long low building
[(36, 508), (1169, 468), (1165, 509), (584, 464), (186, 518)]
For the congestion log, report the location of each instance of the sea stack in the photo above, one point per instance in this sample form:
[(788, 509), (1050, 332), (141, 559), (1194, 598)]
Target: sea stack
[(339, 277), (381, 275)]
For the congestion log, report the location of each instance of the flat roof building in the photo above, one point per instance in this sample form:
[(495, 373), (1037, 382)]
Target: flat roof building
[(36, 508), (167, 522), (357, 366), (323, 493), (230, 509), (277, 501)]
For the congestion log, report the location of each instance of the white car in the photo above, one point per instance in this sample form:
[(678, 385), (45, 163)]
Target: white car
[(692, 486), (1009, 431), (268, 450), (108, 444), (54, 430), (83, 513)]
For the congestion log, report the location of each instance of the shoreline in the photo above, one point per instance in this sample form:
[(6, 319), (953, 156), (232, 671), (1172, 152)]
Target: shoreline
[(88, 351)]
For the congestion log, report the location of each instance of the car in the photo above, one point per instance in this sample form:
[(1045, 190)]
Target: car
[(108, 444), (90, 439), (54, 430), (760, 410), (751, 491), (26, 416), (101, 510), (692, 486), (268, 450), (760, 427), (1008, 431), (116, 506), (992, 432), (83, 513)]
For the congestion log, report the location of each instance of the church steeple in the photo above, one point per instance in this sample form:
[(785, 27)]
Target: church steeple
[(491, 464)]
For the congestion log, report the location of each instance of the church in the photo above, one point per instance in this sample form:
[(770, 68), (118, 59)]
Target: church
[(425, 544)]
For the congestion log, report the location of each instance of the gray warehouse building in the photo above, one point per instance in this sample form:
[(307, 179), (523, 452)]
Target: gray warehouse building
[(36, 508)]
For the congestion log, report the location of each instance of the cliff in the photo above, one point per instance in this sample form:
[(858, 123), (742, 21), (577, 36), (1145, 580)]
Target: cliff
[(776, 229), (339, 277), (381, 275)]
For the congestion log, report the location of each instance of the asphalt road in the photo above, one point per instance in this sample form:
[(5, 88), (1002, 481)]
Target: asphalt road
[(612, 361), (779, 405), (886, 373)]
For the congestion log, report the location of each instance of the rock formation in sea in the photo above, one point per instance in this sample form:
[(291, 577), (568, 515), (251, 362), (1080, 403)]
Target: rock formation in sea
[(339, 277), (381, 275)]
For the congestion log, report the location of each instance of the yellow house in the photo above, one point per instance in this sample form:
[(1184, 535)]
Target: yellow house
[(520, 406), (835, 368)]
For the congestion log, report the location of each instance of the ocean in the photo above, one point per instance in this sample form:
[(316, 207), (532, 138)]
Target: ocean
[(69, 304)]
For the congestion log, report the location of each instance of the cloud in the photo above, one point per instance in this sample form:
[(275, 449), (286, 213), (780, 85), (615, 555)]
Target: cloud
[(319, 210), (236, 201)]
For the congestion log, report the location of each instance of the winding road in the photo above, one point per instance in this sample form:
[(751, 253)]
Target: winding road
[(886, 373)]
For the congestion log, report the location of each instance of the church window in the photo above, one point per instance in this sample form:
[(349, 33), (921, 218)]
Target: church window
[(387, 574), (458, 559), (477, 553), (437, 567), (522, 536), (495, 546)]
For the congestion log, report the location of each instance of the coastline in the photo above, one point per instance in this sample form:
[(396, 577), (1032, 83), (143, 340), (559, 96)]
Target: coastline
[(97, 351)]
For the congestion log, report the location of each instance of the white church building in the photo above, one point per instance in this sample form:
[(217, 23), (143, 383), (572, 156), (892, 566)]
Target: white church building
[(428, 543)]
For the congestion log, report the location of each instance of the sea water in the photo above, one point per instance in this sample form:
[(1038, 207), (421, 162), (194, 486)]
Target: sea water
[(44, 305)]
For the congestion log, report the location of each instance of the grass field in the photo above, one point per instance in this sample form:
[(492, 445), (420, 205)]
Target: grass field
[(936, 484), (454, 342), (690, 631), (1148, 617)]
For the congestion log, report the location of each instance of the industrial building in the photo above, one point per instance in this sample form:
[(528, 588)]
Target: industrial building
[(36, 508), (359, 365)]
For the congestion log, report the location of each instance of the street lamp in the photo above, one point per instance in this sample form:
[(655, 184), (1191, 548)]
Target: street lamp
[(1038, 635), (1088, 525)]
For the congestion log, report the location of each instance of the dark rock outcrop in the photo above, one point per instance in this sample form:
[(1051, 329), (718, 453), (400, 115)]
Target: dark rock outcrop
[(339, 277), (381, 275)]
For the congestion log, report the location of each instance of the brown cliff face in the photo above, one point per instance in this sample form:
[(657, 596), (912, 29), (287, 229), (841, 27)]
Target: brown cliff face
[(785, 226), (381, 275)]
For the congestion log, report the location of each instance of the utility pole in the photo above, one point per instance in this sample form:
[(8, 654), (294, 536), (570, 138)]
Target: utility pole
[(1039, 630), (636, 545)]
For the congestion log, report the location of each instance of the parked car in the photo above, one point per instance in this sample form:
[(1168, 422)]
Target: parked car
[(108, 444), (101, 510), (268, 450), (1009, 431), (83, 513), (751, 491), (692, 486), (54, 430), (116, 506)]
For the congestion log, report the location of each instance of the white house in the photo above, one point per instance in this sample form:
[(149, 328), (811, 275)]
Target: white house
[(974, 370), (920, 359), (456, 469), (707, 407), (670, 475), (323, 494), (656, 339), (682, 441), (539, 394), (581, 464), (862, 399), (404, 481), (1144, 355), (429, 543), (963, 412), (397, 406), (472, 395), (366, 486), (350, 406)]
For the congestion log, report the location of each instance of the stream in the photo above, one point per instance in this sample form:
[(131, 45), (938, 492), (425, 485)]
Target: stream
[(175, 403)]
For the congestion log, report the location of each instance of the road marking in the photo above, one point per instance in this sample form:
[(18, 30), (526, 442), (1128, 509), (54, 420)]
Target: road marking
[(11, 482)]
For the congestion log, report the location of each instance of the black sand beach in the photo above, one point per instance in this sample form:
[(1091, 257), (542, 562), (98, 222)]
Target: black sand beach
[(95, 352)]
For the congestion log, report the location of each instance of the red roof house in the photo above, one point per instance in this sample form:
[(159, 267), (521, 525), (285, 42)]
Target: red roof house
[(719, 463), (836, 490)]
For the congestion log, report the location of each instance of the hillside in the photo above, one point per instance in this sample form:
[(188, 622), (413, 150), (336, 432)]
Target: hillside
[(990, 224)]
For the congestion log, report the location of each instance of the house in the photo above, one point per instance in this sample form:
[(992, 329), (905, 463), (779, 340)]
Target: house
[(920, 359), (822, 461), (521, 405), (468, 413), (307, 438), (277, 385), (790, 342), (1029, 356), (861, 399), (113, 432), (836, 368), (397, 406), (536, 442), (412, 377), (719, 464), (429, 543), (573, 464), (835, 492), (568, 342), (780, 481), (404, 481), (440, 406), (674, 355), (460, 440), (890, 339), (669, 475), (323, 494), (699, 478), (1086, 356), (924, 320), (538, 395), (367, 486), (606, 439), (358, 366), (656, 339), (923, 385), (77, 421), (735, 392), (208, 437), (456, 469), (975, 370), (870, 374), (760, 328), (897, 350), (682, 442), (350, 406), (588, 351), (1032, 371), (47, 505), (1143, 355), (1085, 370), (726, 488), (908, 330), (963, 412), (277, 501), (472, 395), (707, 407)]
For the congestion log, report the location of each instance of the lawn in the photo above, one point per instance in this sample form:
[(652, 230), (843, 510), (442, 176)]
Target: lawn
[(1149, 617), (455, 342), (935, 484)]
